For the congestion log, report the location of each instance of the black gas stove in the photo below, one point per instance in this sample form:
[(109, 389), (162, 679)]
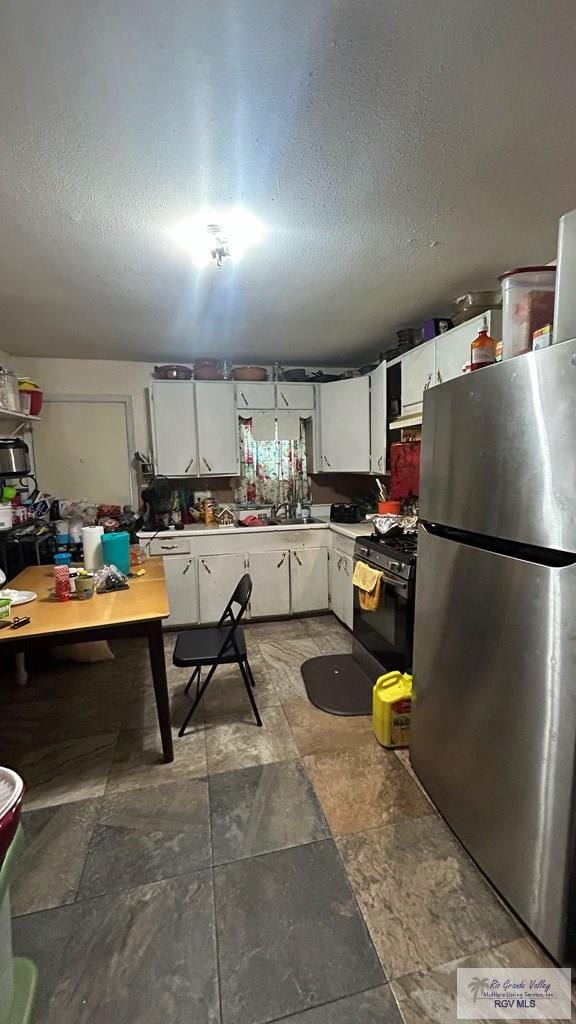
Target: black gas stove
[(395, 553), (403, 543), (386, 631)]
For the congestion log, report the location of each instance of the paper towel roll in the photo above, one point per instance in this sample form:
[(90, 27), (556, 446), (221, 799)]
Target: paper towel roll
[(92, 544)]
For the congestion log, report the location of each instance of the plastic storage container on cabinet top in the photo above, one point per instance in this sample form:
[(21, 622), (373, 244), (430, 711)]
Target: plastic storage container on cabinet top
[(528, 305)]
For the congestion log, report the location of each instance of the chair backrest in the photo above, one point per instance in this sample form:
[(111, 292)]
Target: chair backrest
[(241, 597)]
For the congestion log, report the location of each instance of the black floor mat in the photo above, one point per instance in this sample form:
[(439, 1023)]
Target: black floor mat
[(336, 683)]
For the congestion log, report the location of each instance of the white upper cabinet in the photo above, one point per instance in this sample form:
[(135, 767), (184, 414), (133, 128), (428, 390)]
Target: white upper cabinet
[(255, 396), (345, 426), (174, 426), (295, 396), (378, 414), (218, 452), (417, 374), (453, 348)]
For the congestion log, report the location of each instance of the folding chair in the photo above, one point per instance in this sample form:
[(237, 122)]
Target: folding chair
[(223, 644)]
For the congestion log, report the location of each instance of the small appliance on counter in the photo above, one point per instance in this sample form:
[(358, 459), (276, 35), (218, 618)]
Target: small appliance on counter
[(14, 458), (344, 513)]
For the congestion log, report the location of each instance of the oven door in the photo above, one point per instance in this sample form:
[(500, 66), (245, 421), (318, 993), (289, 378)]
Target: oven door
[(387, 633)]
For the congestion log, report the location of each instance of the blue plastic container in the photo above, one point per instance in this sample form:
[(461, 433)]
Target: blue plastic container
[(116, 550)]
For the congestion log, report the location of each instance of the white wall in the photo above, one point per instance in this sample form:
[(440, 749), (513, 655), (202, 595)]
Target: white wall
[(6, 360), (95, 377)]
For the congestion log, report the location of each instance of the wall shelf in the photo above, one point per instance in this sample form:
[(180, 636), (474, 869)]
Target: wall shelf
[(22, 417), (408, 420)]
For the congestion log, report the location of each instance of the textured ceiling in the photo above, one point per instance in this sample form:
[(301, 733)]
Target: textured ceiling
[(399, 152)]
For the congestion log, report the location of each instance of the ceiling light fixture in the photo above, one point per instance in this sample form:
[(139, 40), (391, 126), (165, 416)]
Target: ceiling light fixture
[(218, 234)]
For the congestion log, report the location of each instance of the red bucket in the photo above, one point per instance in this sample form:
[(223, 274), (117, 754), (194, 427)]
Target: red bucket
[(11, 794)]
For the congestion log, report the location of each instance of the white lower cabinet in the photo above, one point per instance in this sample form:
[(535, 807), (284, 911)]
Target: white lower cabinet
[(217, 578), (341, 589), (270, 572), (182, 582), (309, 579)]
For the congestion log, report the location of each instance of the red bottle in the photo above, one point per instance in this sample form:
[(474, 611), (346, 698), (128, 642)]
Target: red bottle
[(483, 349)]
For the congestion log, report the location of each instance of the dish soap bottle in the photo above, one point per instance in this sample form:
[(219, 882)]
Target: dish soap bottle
[(483, 348)]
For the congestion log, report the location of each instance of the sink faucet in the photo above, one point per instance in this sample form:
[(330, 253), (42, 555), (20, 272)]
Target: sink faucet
[(275, 510)]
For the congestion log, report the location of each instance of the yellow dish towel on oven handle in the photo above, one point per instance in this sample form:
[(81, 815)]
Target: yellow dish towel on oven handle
[(369, 584)]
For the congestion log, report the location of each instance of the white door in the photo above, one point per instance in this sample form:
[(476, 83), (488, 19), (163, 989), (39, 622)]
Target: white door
[(309, 580), (378, 414), (174, 426), (295, 396), (182, 582), (345, 426), (255, 396), (217, 578), (270, 572), (82, 448), (218, 451), (417, 375), (453, 348)]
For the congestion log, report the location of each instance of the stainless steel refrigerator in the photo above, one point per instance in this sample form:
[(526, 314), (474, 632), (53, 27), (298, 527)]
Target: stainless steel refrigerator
[(494, 718)]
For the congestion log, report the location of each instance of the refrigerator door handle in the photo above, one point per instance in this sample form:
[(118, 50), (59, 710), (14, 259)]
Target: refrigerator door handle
[(510, 549)]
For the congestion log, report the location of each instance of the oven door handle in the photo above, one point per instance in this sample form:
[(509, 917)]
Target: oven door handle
[(393, 581)]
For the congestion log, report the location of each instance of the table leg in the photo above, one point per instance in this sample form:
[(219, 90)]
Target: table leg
[(158, 666), (20, 665)]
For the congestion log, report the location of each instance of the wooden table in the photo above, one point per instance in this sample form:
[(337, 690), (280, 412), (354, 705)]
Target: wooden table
[(137, 611)]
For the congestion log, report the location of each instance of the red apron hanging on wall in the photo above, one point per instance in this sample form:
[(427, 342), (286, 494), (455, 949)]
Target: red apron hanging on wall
[(404, 469)]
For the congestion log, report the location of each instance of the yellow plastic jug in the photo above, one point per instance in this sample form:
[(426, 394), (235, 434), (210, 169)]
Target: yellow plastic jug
[(392, 708)]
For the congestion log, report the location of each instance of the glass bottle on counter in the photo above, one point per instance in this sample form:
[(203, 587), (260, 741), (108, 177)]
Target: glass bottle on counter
[(483, 348)]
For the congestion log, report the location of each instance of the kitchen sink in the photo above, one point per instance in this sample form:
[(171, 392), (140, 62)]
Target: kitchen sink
[(281, 521)]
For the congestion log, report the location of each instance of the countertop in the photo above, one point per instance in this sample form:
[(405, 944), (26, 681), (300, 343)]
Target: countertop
[(351, 530)]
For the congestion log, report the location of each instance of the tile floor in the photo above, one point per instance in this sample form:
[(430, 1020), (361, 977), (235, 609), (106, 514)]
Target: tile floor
[(296, 872)]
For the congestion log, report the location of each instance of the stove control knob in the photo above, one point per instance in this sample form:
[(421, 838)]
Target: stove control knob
[(395, 566)]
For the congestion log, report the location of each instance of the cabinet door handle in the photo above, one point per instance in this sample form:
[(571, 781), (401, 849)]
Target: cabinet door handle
[(207, 464), (339, 564), (281, 562), (428, 382), (188, 564), (329, 464), (188, 467), (439, 377), (284, 399), (167, 547), (243, 397), (208, 569), (296, 557), (380, 463)]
